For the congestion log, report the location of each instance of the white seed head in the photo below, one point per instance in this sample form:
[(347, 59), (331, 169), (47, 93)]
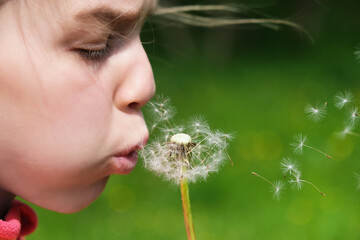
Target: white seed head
[(299, 142), (343, 98), (289, 166), (296, 180), (191, 151), (181, 138), (277, 189), (315, 113), (353, 116)]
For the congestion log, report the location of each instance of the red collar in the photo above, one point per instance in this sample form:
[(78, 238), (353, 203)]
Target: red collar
[(19, 221)]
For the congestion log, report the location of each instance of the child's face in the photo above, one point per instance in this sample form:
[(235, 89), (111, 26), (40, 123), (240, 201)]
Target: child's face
[(70, 97)]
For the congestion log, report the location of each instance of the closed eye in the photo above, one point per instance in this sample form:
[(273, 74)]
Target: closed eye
[(96, 54)]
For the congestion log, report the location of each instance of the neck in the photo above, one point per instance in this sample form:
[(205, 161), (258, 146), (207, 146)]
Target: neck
[(5, 200)]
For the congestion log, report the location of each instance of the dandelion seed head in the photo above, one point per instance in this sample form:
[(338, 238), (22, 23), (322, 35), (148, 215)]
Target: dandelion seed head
[(277, 189), (289, 166), (299, 142), (316, 113), (191, 151), (296, 180), (353, 116), (343, 98)]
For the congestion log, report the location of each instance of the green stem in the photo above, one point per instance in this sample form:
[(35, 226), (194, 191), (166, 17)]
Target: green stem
[(317, 189), (187, 209), (326, 155), (254, 173)]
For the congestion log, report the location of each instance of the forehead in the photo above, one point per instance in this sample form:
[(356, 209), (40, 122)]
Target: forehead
[(75, 7)]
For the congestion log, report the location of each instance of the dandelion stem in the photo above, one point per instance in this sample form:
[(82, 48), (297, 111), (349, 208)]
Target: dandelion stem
[(187, 209), (301, 180), (326, 155), (263, 179)]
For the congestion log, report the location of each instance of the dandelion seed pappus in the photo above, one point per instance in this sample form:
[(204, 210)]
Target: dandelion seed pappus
[(190, 151)]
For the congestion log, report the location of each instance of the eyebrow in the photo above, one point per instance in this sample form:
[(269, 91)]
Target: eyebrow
[(101, 21), (110, 16)]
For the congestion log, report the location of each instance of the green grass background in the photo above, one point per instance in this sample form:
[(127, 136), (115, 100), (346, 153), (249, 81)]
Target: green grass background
[(253, 82)]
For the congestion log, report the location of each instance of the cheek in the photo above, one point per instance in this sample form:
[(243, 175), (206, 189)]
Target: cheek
[(78, 111), (59, 142), (59, 121)]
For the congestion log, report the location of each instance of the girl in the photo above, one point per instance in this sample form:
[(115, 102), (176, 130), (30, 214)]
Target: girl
[(73, 79)]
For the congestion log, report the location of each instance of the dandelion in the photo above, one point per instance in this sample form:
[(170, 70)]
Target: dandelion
[(315, 113), (353, 116), (185, 154), (343, 98), (300, 143), (275, 187), (289, 166), (297, 181)]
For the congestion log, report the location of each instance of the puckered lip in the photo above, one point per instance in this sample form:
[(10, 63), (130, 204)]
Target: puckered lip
[(136, 147), (124, 161)]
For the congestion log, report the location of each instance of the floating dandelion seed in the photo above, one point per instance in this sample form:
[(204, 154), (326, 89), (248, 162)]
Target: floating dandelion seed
[(300, 143), (342, 99), (353, 115), (297, 181), (315, 113), (289, 166), (161, 111), (348, 131), (276, 188)]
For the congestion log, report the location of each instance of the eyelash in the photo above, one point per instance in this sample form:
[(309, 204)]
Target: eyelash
[(113, 41), (99, 54)]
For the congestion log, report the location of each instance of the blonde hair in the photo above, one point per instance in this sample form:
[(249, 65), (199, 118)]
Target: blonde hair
[(193, 15)]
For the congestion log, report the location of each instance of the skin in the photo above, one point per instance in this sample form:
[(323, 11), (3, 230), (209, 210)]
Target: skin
[(63, 118)]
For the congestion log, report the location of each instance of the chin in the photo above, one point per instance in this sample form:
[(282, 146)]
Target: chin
[(75, 200)]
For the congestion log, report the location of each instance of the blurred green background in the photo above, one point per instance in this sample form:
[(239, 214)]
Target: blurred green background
[(254, 82)]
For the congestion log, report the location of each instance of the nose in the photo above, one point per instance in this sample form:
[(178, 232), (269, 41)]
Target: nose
[(135, 79)]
